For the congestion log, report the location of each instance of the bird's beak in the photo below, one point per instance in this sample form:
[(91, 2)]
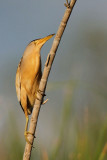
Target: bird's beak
[(42, 41)]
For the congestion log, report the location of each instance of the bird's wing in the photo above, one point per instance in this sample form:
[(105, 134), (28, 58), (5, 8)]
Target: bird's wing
[(18, 81)]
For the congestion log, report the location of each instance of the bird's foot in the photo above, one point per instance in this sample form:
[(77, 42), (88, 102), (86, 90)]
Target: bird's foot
[(26, 138), (67, 4), (41, 92)]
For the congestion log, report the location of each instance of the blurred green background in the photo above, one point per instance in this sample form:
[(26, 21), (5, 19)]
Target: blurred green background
[(73, 123)]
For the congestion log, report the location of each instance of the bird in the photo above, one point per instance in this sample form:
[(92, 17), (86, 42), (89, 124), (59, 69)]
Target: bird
[(28, 76)]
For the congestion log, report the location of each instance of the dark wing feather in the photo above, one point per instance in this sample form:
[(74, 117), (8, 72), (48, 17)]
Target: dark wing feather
[(18, 81)]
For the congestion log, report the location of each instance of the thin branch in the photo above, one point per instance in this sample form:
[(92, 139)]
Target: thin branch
[(44, 79)]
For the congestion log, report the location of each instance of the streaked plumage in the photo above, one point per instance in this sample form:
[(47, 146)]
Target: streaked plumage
[(28, 77)]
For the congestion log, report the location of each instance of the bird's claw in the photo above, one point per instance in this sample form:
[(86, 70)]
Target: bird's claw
[(41, 92), (67, 4), (26, 138)]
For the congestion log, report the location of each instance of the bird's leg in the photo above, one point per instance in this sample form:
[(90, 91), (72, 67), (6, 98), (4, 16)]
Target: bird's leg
[(43, 94), (27, 132), (24, 104), (67, 4)]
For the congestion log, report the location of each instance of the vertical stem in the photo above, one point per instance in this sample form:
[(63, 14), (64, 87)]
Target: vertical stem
[(43, 82)]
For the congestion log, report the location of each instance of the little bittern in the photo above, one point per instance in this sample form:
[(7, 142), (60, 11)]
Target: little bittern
[(28, 77)]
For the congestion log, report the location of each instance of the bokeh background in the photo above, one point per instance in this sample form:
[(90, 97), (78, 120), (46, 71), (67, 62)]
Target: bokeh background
[(73, 123)]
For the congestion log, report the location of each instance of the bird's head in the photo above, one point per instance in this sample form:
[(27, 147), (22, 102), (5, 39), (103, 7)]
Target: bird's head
[(40, 42)]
